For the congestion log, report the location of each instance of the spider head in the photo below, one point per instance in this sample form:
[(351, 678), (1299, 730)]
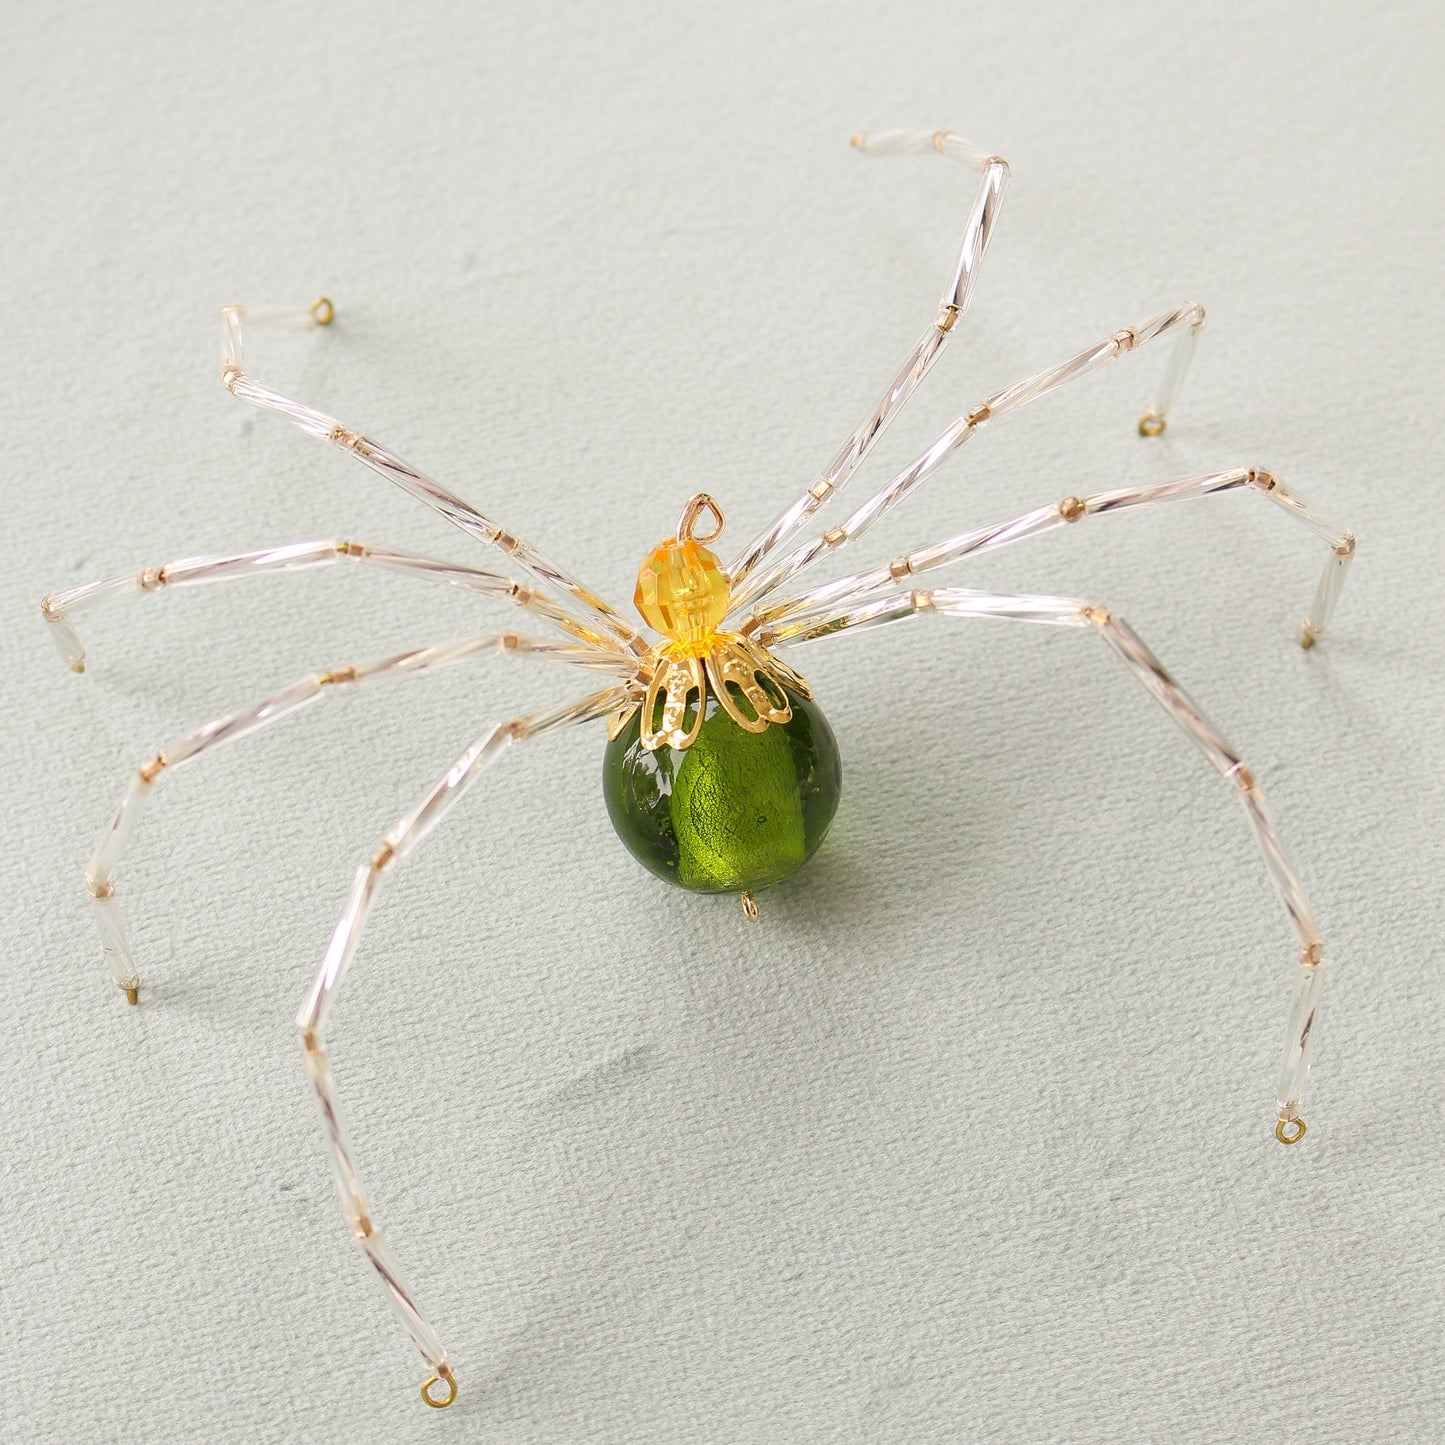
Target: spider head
[(682, 590)]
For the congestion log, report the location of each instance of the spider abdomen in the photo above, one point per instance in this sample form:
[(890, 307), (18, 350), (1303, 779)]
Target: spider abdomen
[(737, 810)]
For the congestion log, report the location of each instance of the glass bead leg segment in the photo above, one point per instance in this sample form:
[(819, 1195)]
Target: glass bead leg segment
[(978, 230), (594, 611), (1159, 683), (60, 608), (100, 871), (440, 1387), (893, 577), (999, 403)]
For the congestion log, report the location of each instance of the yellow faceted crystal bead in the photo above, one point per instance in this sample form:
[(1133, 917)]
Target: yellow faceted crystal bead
[(682, 591)]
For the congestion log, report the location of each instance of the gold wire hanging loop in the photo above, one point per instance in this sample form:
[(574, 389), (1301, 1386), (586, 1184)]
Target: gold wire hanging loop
[(322, 309), (1294, 1138), (750, 906), (687, 523), (449, 1379)]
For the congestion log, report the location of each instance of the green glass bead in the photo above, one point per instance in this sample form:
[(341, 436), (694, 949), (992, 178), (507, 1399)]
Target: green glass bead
[(736, 810)]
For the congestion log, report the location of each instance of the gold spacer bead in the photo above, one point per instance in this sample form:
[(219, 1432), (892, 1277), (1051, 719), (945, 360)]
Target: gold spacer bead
[(148, 770), (1071, 509)]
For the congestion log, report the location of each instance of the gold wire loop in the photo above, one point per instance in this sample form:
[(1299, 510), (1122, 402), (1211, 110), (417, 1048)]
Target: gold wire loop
[(1299, 1133), (750, 906), (449, 1379), (687, 523), (322, 309), (1151, 424)]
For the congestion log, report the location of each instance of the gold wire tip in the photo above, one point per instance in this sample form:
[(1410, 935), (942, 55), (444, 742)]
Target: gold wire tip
[(750, 906), (1307, 637), (322, 309), (131, 992), (1283, 1127), (1151, 424), (445, 1377)]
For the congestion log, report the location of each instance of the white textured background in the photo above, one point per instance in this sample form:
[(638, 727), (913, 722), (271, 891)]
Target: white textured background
[(970, 1139)]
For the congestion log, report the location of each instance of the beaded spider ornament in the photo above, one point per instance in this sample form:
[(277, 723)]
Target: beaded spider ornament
[(721, 774)]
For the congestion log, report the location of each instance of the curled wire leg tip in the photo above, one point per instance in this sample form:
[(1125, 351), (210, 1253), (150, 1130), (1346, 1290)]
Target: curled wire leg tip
[(324, 312), (1151, 424), (750, 906), (1289, 1131), (439, 1402)]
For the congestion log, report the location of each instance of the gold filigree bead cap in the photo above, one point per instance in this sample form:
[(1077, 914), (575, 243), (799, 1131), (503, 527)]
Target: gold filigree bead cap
[(682, 589)]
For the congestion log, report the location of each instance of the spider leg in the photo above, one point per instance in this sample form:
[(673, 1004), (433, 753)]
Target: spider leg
[(447, 504), (1161, 686), (311, 1020), (58, 608), (926, 351), (99, 873), (895, 574), (1181, 321)]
